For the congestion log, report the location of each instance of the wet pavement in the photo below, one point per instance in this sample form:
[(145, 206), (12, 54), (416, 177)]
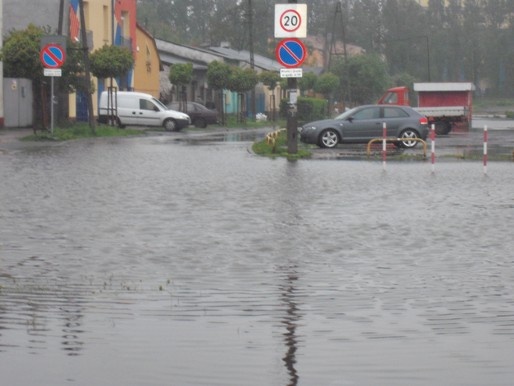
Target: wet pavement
[(457, 145), (184, 259)]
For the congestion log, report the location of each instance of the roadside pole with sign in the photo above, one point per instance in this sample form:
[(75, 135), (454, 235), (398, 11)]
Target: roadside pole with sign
[(52, 57), (291, 24)]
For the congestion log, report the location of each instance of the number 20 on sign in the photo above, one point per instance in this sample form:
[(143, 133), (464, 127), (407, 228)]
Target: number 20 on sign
[(290, 20)]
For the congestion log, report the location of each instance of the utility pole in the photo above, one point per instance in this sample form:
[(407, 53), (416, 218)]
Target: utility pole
[(252, 60), (60, 22), (62, 97), (85, 51), (334, 36), (292, 118), (342, 22)]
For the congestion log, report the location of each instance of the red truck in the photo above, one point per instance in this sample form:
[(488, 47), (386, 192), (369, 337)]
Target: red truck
[(447, 105)]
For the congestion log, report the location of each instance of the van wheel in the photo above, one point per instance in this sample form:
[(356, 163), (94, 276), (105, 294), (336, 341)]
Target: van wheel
[(170, 125)]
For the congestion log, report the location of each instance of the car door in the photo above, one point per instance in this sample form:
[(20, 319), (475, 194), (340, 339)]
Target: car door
[(394, 117), (148, 114), (364, 124)]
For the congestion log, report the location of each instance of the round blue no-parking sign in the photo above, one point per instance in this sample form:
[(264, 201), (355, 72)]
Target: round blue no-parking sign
[(52, 56), (291, 52)]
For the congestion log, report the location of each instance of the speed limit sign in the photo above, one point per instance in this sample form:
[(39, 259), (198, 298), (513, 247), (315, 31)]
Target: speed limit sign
[(290, 20)]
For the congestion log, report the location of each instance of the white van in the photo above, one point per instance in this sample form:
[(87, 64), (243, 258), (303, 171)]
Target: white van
[(139, 109)]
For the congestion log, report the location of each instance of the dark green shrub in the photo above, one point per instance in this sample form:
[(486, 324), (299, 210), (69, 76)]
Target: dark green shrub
[(309, 109)]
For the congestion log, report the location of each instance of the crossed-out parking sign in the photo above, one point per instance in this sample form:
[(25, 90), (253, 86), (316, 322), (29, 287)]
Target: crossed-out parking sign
[(291, 52), (52, 56)]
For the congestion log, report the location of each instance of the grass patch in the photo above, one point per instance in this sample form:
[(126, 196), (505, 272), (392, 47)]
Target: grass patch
[(278, 148), (491, 105), (81, 130), (231, 121)]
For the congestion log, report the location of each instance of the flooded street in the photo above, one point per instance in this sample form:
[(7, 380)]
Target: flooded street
[(152, 261)]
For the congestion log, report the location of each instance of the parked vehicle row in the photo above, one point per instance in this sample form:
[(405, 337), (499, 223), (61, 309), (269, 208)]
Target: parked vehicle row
[(129, 108), (358, 125)]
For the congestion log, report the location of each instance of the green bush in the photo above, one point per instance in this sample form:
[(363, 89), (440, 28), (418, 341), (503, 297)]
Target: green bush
[(309, 109), (279, 148)]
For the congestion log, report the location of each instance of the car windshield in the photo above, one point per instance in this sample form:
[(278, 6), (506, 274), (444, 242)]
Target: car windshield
[(159, 103), (346, 114)]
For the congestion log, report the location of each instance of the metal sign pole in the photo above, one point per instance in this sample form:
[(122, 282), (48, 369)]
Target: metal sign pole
[(292, 119), (291, 22), (52, 57), (52, 107)]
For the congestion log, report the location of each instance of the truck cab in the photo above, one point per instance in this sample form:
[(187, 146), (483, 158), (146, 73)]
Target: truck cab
[(395, 96)]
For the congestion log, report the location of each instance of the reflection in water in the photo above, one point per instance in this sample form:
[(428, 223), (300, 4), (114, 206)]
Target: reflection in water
[(289, 221), (71, 331), (291, 322)]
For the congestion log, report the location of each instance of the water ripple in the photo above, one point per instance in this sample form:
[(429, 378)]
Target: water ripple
[(207, 265)]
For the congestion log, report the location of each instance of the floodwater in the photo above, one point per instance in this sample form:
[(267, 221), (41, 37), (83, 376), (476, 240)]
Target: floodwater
[(152, 261)]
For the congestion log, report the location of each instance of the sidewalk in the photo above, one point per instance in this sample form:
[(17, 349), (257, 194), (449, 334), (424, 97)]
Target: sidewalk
[(11, 135)]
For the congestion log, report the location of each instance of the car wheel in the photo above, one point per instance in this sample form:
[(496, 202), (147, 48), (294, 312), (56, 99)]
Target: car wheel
[(170, 125), (328, 138), (407, 136), (200, 123)]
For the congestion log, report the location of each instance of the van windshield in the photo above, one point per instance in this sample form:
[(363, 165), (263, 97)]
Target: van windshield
[(159, 103)]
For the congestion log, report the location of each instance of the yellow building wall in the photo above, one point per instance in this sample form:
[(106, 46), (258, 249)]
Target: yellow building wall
[(97, 14), (99, 20), (147, 64)]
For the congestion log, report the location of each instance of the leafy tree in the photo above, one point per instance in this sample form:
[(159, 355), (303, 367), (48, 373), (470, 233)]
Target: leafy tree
[(327, 85), (241, 80), (20, 53), (403, 79), (307, 82), (181, 75), (21, 59), (405, 50), (217, 75), (365, 78), (111, 61), (271, 79), (73, 70), (365, 24)]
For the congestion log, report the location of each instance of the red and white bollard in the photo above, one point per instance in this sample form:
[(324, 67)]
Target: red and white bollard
[(432, 153), (485, 149), (384, 145)]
